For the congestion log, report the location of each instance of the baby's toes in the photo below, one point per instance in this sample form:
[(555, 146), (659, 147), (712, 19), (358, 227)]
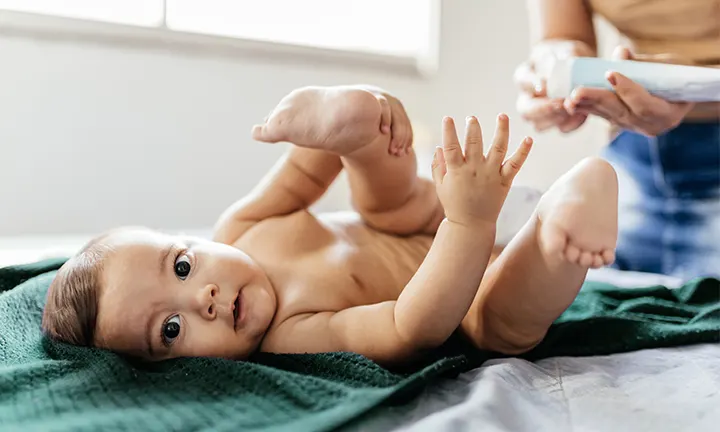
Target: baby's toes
[(394, 145), (259, 132), (572, 253), (608, 256), (269, 132), (407, 143), (399, 147), (586, 259), (400, 140), (597, 260), (400, 143)]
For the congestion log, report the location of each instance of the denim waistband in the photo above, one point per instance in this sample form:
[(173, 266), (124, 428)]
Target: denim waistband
[(683, 163)]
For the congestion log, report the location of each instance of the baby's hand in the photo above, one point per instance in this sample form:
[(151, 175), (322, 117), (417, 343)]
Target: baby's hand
[(472, 187)]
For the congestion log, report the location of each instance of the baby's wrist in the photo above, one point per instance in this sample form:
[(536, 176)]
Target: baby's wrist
[(473, 225)]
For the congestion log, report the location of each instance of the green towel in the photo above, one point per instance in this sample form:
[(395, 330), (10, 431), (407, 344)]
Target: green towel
[(46, 385)]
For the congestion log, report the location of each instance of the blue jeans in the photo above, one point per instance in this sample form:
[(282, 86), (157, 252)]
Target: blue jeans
[(669, 200)]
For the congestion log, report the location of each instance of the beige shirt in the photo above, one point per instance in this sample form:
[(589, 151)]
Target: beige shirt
[(689, 28)]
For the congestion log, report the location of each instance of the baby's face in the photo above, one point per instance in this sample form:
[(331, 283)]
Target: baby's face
[(166, 296)]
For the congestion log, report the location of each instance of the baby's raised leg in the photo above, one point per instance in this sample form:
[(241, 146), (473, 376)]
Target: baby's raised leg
[(388, 193), (538, 275), (347, 121)]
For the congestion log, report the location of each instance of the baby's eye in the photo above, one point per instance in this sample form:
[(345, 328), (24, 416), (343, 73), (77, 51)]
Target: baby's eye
[(182, 267), (171, 330)]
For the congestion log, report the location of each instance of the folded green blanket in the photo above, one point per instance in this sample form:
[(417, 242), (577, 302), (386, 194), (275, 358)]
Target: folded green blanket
[(45, 385)]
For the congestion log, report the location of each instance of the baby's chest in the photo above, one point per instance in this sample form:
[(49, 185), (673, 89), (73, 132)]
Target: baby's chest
[(334, 278), (332, 263)]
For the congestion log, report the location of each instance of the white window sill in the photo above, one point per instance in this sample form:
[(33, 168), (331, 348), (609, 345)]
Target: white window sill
[(61, 29)]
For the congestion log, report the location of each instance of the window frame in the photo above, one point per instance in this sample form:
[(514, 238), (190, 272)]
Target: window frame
[(87, 31)]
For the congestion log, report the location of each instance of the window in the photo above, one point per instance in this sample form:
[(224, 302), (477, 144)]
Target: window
[(137, 12), (402, 28)]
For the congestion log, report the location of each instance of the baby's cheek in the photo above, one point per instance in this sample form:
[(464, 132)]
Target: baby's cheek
[(217, 341)]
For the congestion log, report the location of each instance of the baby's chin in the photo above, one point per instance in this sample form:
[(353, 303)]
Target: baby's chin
[(260, 304)]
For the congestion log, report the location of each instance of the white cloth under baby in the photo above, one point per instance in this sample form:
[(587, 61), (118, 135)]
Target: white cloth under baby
[(519, 206)]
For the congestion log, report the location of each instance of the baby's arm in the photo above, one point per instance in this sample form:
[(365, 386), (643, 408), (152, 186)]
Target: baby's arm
[(296, 181), (472, 188)]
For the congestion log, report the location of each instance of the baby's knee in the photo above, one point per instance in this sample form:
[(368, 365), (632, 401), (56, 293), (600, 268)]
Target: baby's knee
[(510, 346), (508, 339)]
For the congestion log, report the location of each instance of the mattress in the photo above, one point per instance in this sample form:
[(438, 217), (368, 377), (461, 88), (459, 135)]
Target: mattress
[(673, 389)]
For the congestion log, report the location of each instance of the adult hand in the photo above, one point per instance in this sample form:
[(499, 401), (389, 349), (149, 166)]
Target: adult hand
[(630, 106), (531, 77)]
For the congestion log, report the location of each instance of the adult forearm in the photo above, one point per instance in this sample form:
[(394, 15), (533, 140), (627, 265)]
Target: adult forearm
[(569, 20)]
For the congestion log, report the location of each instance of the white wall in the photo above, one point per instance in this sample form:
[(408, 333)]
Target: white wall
[(93, 136)]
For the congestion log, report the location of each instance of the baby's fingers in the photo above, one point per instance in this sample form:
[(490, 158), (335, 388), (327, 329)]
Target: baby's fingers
[(512, 166), (438, 166), (496, 154), (451, 146), (473, 140)]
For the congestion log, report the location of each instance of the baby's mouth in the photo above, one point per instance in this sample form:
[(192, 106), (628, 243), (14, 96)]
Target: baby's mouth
[(236, 310)]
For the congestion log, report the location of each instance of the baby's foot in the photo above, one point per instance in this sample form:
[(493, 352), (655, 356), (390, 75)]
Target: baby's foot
[(337, 119), (578, 215)]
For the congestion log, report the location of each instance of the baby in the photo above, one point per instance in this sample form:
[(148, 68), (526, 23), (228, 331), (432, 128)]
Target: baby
[(390, 282)]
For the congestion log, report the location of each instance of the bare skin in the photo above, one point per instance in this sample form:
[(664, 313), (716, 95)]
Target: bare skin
[(402, 273)]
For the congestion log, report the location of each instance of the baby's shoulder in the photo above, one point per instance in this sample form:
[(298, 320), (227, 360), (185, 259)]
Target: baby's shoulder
[(298, 232)]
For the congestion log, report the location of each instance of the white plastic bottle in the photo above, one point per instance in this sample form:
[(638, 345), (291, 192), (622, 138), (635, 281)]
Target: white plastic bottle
[(669, 82)]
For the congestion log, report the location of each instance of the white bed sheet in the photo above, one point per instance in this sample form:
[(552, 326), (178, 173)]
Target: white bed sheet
[(674, 389), (670, 389)]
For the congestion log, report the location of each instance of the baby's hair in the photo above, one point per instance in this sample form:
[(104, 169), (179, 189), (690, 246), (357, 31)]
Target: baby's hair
[(71, 308)]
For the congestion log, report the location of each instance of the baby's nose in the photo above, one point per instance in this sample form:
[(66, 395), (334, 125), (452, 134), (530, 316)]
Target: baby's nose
[(206, 301)]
